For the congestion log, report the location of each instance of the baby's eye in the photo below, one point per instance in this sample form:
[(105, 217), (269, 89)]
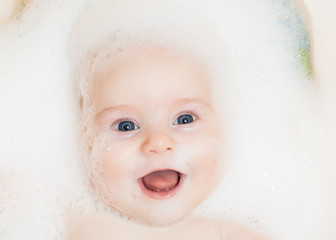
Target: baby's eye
[(125, 126), (185, 119)]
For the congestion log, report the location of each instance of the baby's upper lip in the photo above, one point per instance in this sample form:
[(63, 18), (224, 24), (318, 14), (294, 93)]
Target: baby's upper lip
[(160, 169)]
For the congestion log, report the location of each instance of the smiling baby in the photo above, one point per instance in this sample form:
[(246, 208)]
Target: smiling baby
[(153, 137), (159, 157)]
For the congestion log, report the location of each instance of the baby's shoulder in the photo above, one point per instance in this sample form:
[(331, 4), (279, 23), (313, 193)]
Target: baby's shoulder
[(234, 231)]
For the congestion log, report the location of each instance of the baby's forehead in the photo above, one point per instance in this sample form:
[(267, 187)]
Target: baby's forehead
[(105, 66), (143, 56), (155, 60), (155, 66), (144, 74)]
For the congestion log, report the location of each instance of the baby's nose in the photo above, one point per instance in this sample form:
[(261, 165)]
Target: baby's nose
[(158, 142)]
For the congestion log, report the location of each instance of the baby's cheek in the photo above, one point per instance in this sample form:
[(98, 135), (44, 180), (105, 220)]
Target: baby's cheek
[(208, 165), (120, 161), (114, 166), (207, 158)]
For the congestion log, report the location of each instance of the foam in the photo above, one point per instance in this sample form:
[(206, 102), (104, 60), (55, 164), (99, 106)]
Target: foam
[(39, 164), (126, 34), (276, 178)]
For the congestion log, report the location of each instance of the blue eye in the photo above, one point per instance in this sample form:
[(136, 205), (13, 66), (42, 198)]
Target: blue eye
[(126, 126), (185, 119)]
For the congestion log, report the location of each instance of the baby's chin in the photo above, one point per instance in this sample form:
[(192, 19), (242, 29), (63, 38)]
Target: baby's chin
[(159, 214), (157, 219)]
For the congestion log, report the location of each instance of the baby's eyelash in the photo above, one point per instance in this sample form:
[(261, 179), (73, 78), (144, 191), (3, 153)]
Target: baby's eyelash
[(124, 125), (185, 118)]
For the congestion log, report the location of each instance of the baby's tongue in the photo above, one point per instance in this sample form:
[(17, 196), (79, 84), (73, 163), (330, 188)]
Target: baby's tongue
[(160, 181)]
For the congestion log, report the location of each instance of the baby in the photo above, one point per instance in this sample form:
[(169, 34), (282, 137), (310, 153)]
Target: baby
[(153, 137), (157, 144), (153, 133)]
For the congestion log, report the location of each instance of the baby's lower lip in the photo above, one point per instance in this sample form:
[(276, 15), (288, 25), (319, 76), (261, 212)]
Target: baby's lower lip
[(162, 194)]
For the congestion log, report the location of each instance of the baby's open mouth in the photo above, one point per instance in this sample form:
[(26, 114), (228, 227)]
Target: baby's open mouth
[(161, 181)]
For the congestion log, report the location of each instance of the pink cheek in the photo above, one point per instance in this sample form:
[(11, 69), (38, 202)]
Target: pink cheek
[(108, 164), (207, 173), (209, 165), (116, 166), (206, 159)]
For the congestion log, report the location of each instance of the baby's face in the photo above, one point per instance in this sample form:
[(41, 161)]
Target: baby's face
[(156, 153)]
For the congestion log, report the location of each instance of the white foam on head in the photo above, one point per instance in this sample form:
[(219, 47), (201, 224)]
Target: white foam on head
[(276, 174), (144, 25)]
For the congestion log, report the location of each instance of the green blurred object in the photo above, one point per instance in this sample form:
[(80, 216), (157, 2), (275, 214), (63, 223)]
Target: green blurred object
[(305, 60), (298, 40)]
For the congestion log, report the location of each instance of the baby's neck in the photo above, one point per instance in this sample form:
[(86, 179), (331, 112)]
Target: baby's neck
[(103, 227)]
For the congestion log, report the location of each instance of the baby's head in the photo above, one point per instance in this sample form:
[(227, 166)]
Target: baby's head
[(151, 129), (154, 151)]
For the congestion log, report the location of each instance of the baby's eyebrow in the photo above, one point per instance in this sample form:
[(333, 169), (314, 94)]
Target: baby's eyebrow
[(178, 102), (198, 101), (112, 109)]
